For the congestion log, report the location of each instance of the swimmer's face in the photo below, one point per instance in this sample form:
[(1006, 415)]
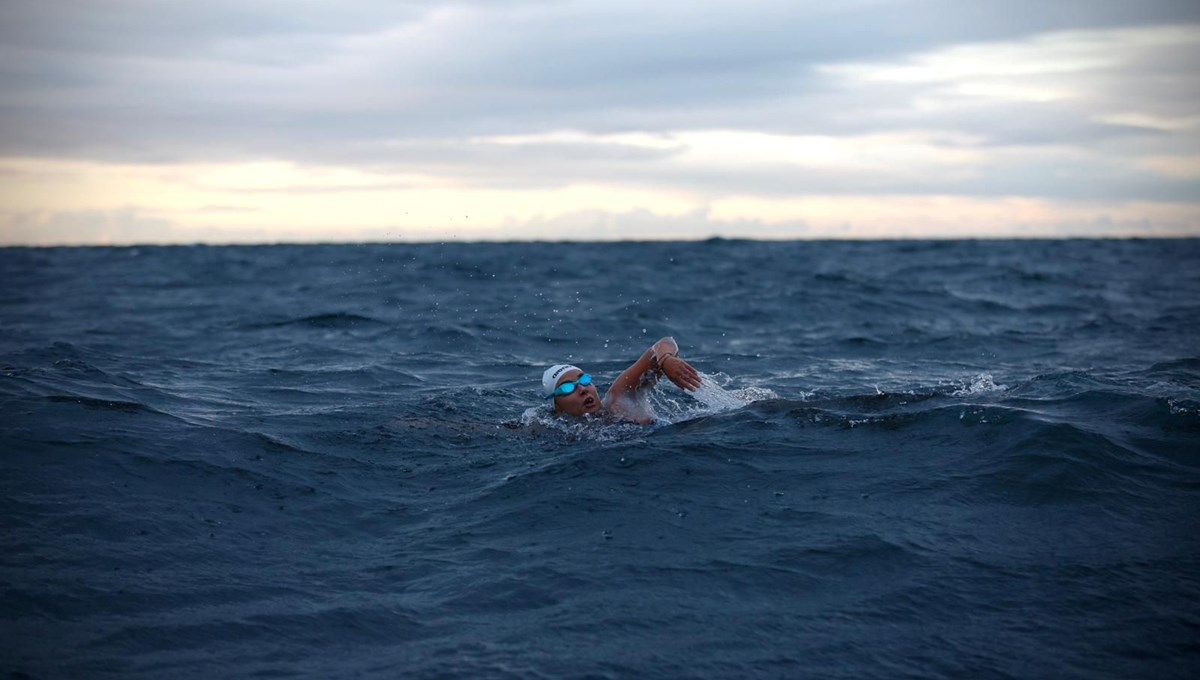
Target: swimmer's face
[(585, 400)]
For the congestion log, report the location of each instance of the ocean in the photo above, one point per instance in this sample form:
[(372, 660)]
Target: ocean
[(927, 459)]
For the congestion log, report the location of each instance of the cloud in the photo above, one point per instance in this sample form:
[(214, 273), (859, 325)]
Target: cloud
[(696, 103), (589, 225), (138, 80), (114, 227)]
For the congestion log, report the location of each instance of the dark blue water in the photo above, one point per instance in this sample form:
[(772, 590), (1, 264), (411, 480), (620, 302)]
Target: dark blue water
[(922, 459)]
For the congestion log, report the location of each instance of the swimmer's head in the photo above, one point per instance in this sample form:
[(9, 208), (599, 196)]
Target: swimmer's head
[(582, 400)]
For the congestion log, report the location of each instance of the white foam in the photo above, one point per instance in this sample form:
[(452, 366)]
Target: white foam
[(982, 384), (1183, 407), (716, 398), (711, 397), (588, 427)]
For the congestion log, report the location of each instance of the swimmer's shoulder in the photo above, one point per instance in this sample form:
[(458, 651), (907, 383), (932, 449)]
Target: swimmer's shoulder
[(622, 411)]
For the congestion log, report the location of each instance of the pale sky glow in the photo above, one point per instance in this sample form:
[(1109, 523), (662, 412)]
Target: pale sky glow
[(147, 121)]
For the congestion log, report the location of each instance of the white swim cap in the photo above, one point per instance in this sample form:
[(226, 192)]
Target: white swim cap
[(552, 374)]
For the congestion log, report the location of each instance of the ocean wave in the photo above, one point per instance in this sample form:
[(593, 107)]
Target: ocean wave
[(102, 404), (945, 454), (1185, 370), (326, 321)]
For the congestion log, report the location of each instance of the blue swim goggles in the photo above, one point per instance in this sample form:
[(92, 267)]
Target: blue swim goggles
[(569, 387)]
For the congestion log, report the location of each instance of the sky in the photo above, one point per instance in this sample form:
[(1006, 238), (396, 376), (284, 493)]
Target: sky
[(266, 121)]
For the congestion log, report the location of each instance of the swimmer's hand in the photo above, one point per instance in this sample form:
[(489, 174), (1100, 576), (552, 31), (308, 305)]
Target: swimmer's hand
[(680, 372)]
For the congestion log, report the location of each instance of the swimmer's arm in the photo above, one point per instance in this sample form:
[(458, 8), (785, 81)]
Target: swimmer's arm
[(663, 355), (630, 379), (663, 348), (667, 360)]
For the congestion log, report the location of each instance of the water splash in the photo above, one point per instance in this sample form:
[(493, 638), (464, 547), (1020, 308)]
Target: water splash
[(544, 418), (668, 404), (982, 384), (711, 397), (716, 398)]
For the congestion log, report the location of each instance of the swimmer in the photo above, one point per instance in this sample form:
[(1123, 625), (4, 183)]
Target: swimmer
[(574, 394)]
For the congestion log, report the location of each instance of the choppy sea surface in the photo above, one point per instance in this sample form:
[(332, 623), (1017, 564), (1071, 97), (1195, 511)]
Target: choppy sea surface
[(910, 459)]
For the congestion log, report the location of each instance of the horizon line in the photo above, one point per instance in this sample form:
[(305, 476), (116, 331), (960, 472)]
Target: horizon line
[(826, 239)]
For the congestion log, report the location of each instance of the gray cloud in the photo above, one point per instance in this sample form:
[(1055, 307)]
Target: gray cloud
[(401, 85)]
